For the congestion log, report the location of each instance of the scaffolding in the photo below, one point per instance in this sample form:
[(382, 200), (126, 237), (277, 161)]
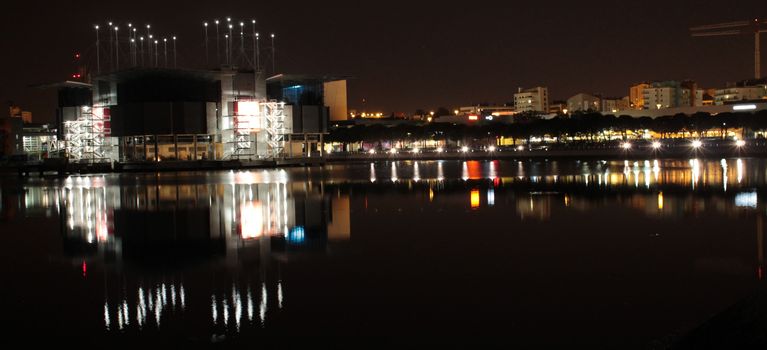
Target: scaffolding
[(275, 127), (87, 137), (250, 119)]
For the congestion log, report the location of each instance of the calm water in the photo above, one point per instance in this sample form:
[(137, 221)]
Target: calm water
[(611, 254)]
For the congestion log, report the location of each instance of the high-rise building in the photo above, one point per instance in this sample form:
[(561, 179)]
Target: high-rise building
[(636, 95), (532, 100), (672, 94)]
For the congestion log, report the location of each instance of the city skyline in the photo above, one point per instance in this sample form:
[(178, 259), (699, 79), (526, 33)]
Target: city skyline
[(419, 56)]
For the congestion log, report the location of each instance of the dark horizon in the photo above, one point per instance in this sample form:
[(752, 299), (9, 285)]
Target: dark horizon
[(405, 56)]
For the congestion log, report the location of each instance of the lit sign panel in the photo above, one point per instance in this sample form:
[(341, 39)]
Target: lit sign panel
[(744, 108)]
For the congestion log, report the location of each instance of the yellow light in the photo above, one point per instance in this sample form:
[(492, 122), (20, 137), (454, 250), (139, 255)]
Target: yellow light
[(475, 199), (431, 195), (660, 201)]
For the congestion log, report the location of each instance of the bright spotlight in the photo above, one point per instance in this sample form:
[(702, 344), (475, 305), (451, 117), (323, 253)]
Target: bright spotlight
[(372, 151), (491, 148), (740, 143), (656, 145), (464, 149), (626, 146), (520, 148), (697, 144), (393, 151), (440, 150), (416, 150)]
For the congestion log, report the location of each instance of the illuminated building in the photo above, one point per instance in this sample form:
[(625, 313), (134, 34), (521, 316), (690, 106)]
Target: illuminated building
[(532, 100), (614, 105), (160, 114), (672, 94), (744, 91), (584, 103), (636, 95)]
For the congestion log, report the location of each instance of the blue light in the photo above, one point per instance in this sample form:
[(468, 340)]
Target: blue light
[(296, 235)]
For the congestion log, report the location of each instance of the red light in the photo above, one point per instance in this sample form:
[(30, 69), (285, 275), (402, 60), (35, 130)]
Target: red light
[(85, 269), (77, 56)]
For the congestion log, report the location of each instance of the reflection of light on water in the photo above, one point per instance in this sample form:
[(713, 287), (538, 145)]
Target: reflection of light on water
[(250, 305), (394, 177), (656, 170), (440, 171), (740, 170), (475, 201), (416, 172), (724, 174), (464, 171), (660, 201), (251, 220), (491, 197), (695, 165), (372, 172), (746, 200), (431, 195), (492, 171), (279, 294), (107, 322), (262, 305)]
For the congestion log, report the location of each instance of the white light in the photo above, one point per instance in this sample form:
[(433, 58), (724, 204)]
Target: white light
[(393, 151), (744, 107), (697, 144), (740, 143), (746, 200), (491, 148), (520, 148), (372, 151), (464, 149), (656, 145), (440, 150), (416, 150), (626, 145)]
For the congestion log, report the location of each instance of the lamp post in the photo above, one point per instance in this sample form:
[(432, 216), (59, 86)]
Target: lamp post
[(175, 60), (274, 55), (98, 58), (205, 32), (218, 46), (229, 45), (117, 49), (156, 55), (165, 50)]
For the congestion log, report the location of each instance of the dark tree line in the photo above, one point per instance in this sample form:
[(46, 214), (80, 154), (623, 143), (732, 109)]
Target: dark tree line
[(588, 126)]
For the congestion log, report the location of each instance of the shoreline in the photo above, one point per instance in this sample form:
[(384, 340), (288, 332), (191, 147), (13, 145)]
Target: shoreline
[(63, 169)]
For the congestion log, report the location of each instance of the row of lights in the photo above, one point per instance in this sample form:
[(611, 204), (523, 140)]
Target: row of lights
[(464, 149), (695, 144)]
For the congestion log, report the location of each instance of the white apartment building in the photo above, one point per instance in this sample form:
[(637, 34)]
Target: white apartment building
[(532, 100), (740, 93)]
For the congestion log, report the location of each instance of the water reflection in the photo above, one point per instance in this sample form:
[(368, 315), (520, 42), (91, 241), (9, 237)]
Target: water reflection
[(166, 249)]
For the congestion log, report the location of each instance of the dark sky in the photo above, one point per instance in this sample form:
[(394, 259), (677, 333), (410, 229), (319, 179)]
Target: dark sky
[(410, 54)]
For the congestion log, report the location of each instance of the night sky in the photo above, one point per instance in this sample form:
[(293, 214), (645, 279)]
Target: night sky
[(408, 55)]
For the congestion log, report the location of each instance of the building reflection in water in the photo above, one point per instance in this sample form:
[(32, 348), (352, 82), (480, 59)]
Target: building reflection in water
[(246, 222), (249, 222)]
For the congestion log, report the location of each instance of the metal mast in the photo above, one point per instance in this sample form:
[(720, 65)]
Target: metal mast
[(755, 28)]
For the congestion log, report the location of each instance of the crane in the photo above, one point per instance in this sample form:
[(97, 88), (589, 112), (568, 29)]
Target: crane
[(755, 27)]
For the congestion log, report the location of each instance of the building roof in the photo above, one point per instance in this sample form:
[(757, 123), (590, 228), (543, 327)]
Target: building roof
[(64, 84), (142, 71), (301, 79)]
